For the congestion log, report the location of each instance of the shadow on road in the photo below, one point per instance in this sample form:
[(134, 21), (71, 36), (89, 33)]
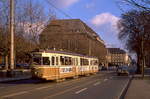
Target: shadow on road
[(28, 81)]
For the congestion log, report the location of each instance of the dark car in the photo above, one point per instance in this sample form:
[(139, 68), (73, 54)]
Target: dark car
[(22, 66), (103, 68), (2, 66), (123, 70)]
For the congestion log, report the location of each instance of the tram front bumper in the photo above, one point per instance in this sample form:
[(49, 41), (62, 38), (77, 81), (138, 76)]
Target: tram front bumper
[(36, 72)]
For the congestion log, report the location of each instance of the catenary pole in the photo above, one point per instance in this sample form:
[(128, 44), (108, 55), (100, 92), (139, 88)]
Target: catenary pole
[(12, 34), (142, 59)]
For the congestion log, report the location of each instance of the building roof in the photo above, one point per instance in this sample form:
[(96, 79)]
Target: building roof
[(116, 51), (74, 25)]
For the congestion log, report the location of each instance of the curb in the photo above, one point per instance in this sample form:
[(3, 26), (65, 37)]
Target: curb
[(124, 91), (14, 79)]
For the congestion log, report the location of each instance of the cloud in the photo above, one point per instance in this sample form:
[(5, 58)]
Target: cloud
[(64, 3), (105, 24), (105, 19)]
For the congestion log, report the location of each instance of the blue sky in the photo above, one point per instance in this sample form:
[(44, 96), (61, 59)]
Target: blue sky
[(100, 15)]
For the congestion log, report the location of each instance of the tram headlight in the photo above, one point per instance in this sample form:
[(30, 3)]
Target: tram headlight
[(35, 73)]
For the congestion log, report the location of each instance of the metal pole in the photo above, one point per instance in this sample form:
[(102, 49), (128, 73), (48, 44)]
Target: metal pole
[(6, 62), (142, 59), (12, 34), (89, 47)]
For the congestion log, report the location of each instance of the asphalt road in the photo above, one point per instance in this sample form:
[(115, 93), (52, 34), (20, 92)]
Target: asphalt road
[(104, 85)]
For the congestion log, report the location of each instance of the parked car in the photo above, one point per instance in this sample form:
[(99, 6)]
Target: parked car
[(2, 66), (123, 70), (103, 68), (22, 66)]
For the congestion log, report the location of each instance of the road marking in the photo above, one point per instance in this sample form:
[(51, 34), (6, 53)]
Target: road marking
[(59, 93), (80, 90), (105, 79), (124, 87), (43, 87), (67, 90), (97, 83), (15, 94)]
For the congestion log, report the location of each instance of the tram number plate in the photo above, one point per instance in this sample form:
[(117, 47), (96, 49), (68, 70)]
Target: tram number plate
[(65, 69)]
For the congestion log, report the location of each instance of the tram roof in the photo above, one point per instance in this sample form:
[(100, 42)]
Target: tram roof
[(67, 53)]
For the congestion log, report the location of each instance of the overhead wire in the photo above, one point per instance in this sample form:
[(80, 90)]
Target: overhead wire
[(61, 11)]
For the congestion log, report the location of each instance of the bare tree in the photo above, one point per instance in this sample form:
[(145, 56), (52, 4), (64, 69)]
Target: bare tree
[(137, 4), (30, 19), (134, 31)]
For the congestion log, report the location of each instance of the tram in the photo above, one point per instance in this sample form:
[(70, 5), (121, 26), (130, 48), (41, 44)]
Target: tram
[(54, 65)]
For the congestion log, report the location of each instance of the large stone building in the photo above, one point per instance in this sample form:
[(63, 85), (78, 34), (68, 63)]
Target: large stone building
[(75, 36), (117, 57)]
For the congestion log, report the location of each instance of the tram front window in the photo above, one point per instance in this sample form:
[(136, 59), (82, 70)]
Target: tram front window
[(37, 61), (46, 61)]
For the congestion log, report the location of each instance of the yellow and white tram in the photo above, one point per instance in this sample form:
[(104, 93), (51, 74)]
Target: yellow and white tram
[(54, 65)]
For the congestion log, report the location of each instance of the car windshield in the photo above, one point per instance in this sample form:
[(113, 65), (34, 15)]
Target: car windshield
[(124, 67)]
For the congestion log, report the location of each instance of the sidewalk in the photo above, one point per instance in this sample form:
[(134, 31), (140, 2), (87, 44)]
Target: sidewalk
[(139, 89), (14, 78), (18, 75)]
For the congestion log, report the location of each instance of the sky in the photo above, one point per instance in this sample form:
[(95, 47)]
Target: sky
[(101, 15)]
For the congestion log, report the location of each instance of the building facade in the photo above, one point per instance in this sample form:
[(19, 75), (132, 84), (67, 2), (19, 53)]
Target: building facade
[(117, 57), (73, 35)]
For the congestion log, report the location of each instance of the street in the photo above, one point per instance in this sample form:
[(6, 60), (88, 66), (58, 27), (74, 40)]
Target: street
[(103, 85)]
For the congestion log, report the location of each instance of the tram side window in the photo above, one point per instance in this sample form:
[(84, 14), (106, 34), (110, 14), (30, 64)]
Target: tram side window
[(46, 61), (76, 61), (95, 62), (53, 60), (86, 62), (73, 61), (81, 61), (68, 60), (56, 60), (37, 60), (62, 60), (91, 62)]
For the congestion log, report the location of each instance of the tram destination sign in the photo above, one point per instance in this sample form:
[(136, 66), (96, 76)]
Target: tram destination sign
[(37, 55)]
